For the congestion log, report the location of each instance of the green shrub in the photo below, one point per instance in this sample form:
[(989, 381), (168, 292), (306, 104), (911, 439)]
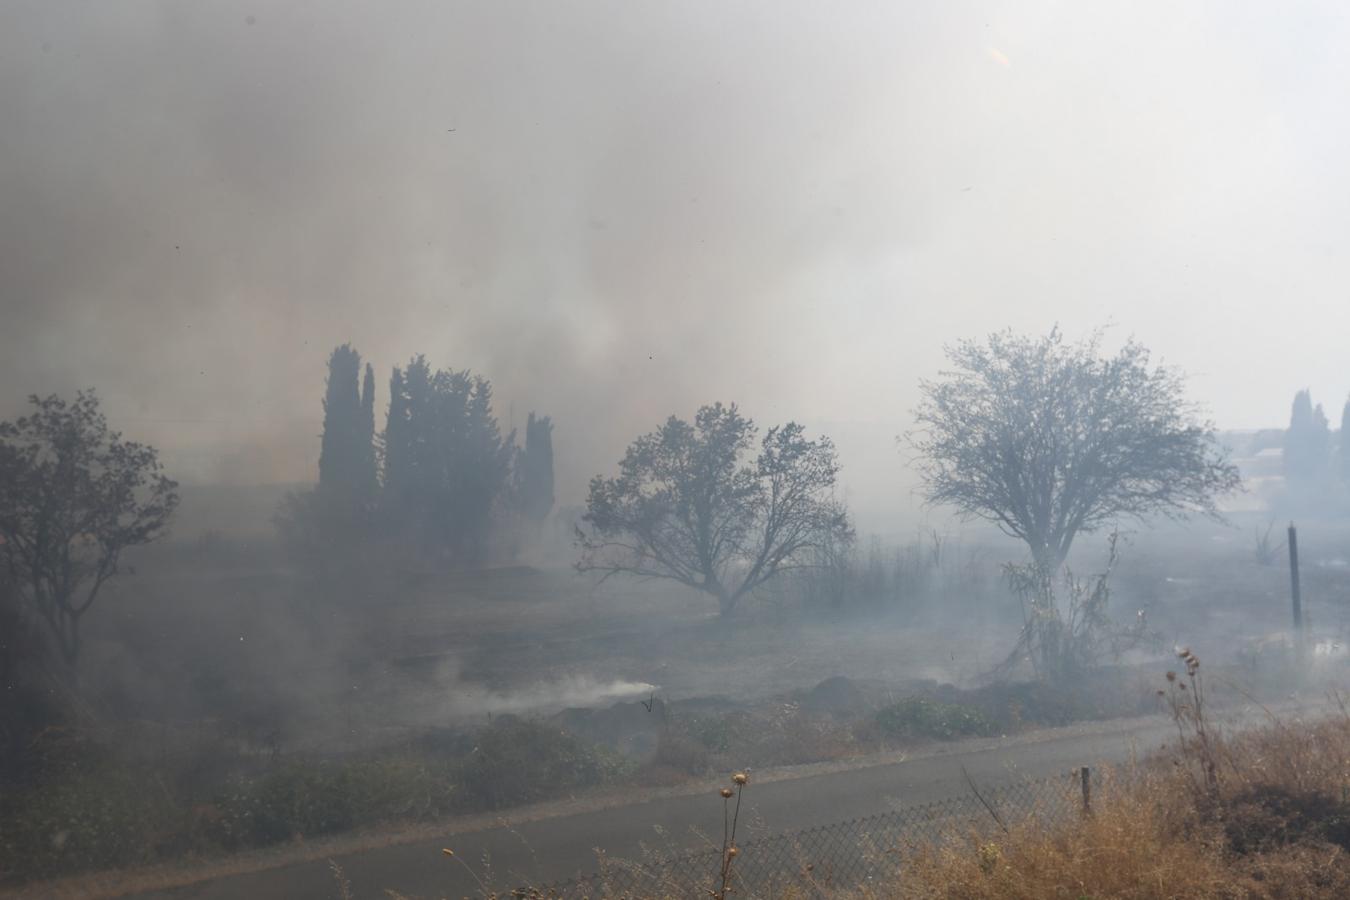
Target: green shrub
[(713, 732), (302, 799), (101, 814), (110, 817), (518, 761), (919, 717)]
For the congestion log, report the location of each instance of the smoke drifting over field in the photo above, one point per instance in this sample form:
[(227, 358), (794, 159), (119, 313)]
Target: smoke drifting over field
[(576, 691), (617, 212), (851, 383)]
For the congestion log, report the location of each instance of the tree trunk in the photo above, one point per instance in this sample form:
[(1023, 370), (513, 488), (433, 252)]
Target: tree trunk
[(68, 639), (1045, 557), (1049, 553)]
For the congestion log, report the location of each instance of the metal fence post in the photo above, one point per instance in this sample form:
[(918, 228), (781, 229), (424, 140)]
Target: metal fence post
[(1085, 776)]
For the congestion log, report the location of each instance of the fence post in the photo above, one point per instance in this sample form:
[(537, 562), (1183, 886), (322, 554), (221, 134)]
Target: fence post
[(1085, 776), (1295, 593)]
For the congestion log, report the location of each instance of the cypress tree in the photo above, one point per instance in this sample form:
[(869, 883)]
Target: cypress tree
[(446, 463), (367, 475), (1319, 444), (1307, 443), (1296, 437), (339, 450), (1345, 441), (396, 450), (536, 470)]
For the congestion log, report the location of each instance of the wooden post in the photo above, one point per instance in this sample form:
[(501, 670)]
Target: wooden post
[(1085, 776), (1295, 593)]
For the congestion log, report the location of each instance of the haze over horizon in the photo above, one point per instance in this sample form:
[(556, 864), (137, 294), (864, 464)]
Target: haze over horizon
[(617, 212)]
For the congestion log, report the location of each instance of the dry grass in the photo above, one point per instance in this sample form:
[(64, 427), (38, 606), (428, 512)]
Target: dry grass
[(1135, 846), (1264, 814)]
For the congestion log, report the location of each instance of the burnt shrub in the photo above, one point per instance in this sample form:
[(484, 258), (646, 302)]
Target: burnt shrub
[(681, 753), (1266, 816), (921, 717)]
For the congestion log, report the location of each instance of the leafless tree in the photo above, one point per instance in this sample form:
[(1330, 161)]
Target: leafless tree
[(73, 496), (691, 505), (1047, 439)]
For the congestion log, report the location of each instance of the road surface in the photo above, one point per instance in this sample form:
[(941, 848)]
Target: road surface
[(551, 849)]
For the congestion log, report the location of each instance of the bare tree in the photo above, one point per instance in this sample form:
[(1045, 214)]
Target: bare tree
[(691, 505), (73, 496), (1047, 439)]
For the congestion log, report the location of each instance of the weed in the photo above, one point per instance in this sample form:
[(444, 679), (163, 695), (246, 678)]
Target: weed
[(519, 761), (919, 717)]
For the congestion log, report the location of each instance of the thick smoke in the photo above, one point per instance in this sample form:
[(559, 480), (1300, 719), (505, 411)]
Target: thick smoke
[(619, 211)]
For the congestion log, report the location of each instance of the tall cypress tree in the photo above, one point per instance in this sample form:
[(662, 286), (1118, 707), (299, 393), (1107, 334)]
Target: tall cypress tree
[(396, 449), (1345, 441), (1307, 443), (328, 523), (535, 470), (367, 475), (340, 446), (1296, 437), (1319, 444)]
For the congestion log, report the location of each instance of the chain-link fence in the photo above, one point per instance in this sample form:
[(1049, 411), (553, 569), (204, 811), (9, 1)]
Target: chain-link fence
[(816, 861)]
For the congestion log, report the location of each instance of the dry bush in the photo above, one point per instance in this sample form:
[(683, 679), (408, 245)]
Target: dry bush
[(1132, 848), (1126, 850), (1265, 813)]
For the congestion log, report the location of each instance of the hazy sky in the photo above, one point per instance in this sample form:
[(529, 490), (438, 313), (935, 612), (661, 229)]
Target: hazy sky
[(620, 210)]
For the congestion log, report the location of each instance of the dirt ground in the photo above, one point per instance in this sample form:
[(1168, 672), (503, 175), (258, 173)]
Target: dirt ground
[(227, 638)]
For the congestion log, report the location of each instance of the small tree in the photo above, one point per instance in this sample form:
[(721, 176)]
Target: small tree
[(73, 496), (691, 505), (1047, 439)]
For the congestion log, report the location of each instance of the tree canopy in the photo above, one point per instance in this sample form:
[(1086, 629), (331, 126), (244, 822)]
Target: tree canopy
[(446, 463), (73, 497), (702, 504), (1048, 439)]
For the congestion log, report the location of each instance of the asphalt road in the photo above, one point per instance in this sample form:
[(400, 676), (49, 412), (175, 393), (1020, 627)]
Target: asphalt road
[(548, 850)]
